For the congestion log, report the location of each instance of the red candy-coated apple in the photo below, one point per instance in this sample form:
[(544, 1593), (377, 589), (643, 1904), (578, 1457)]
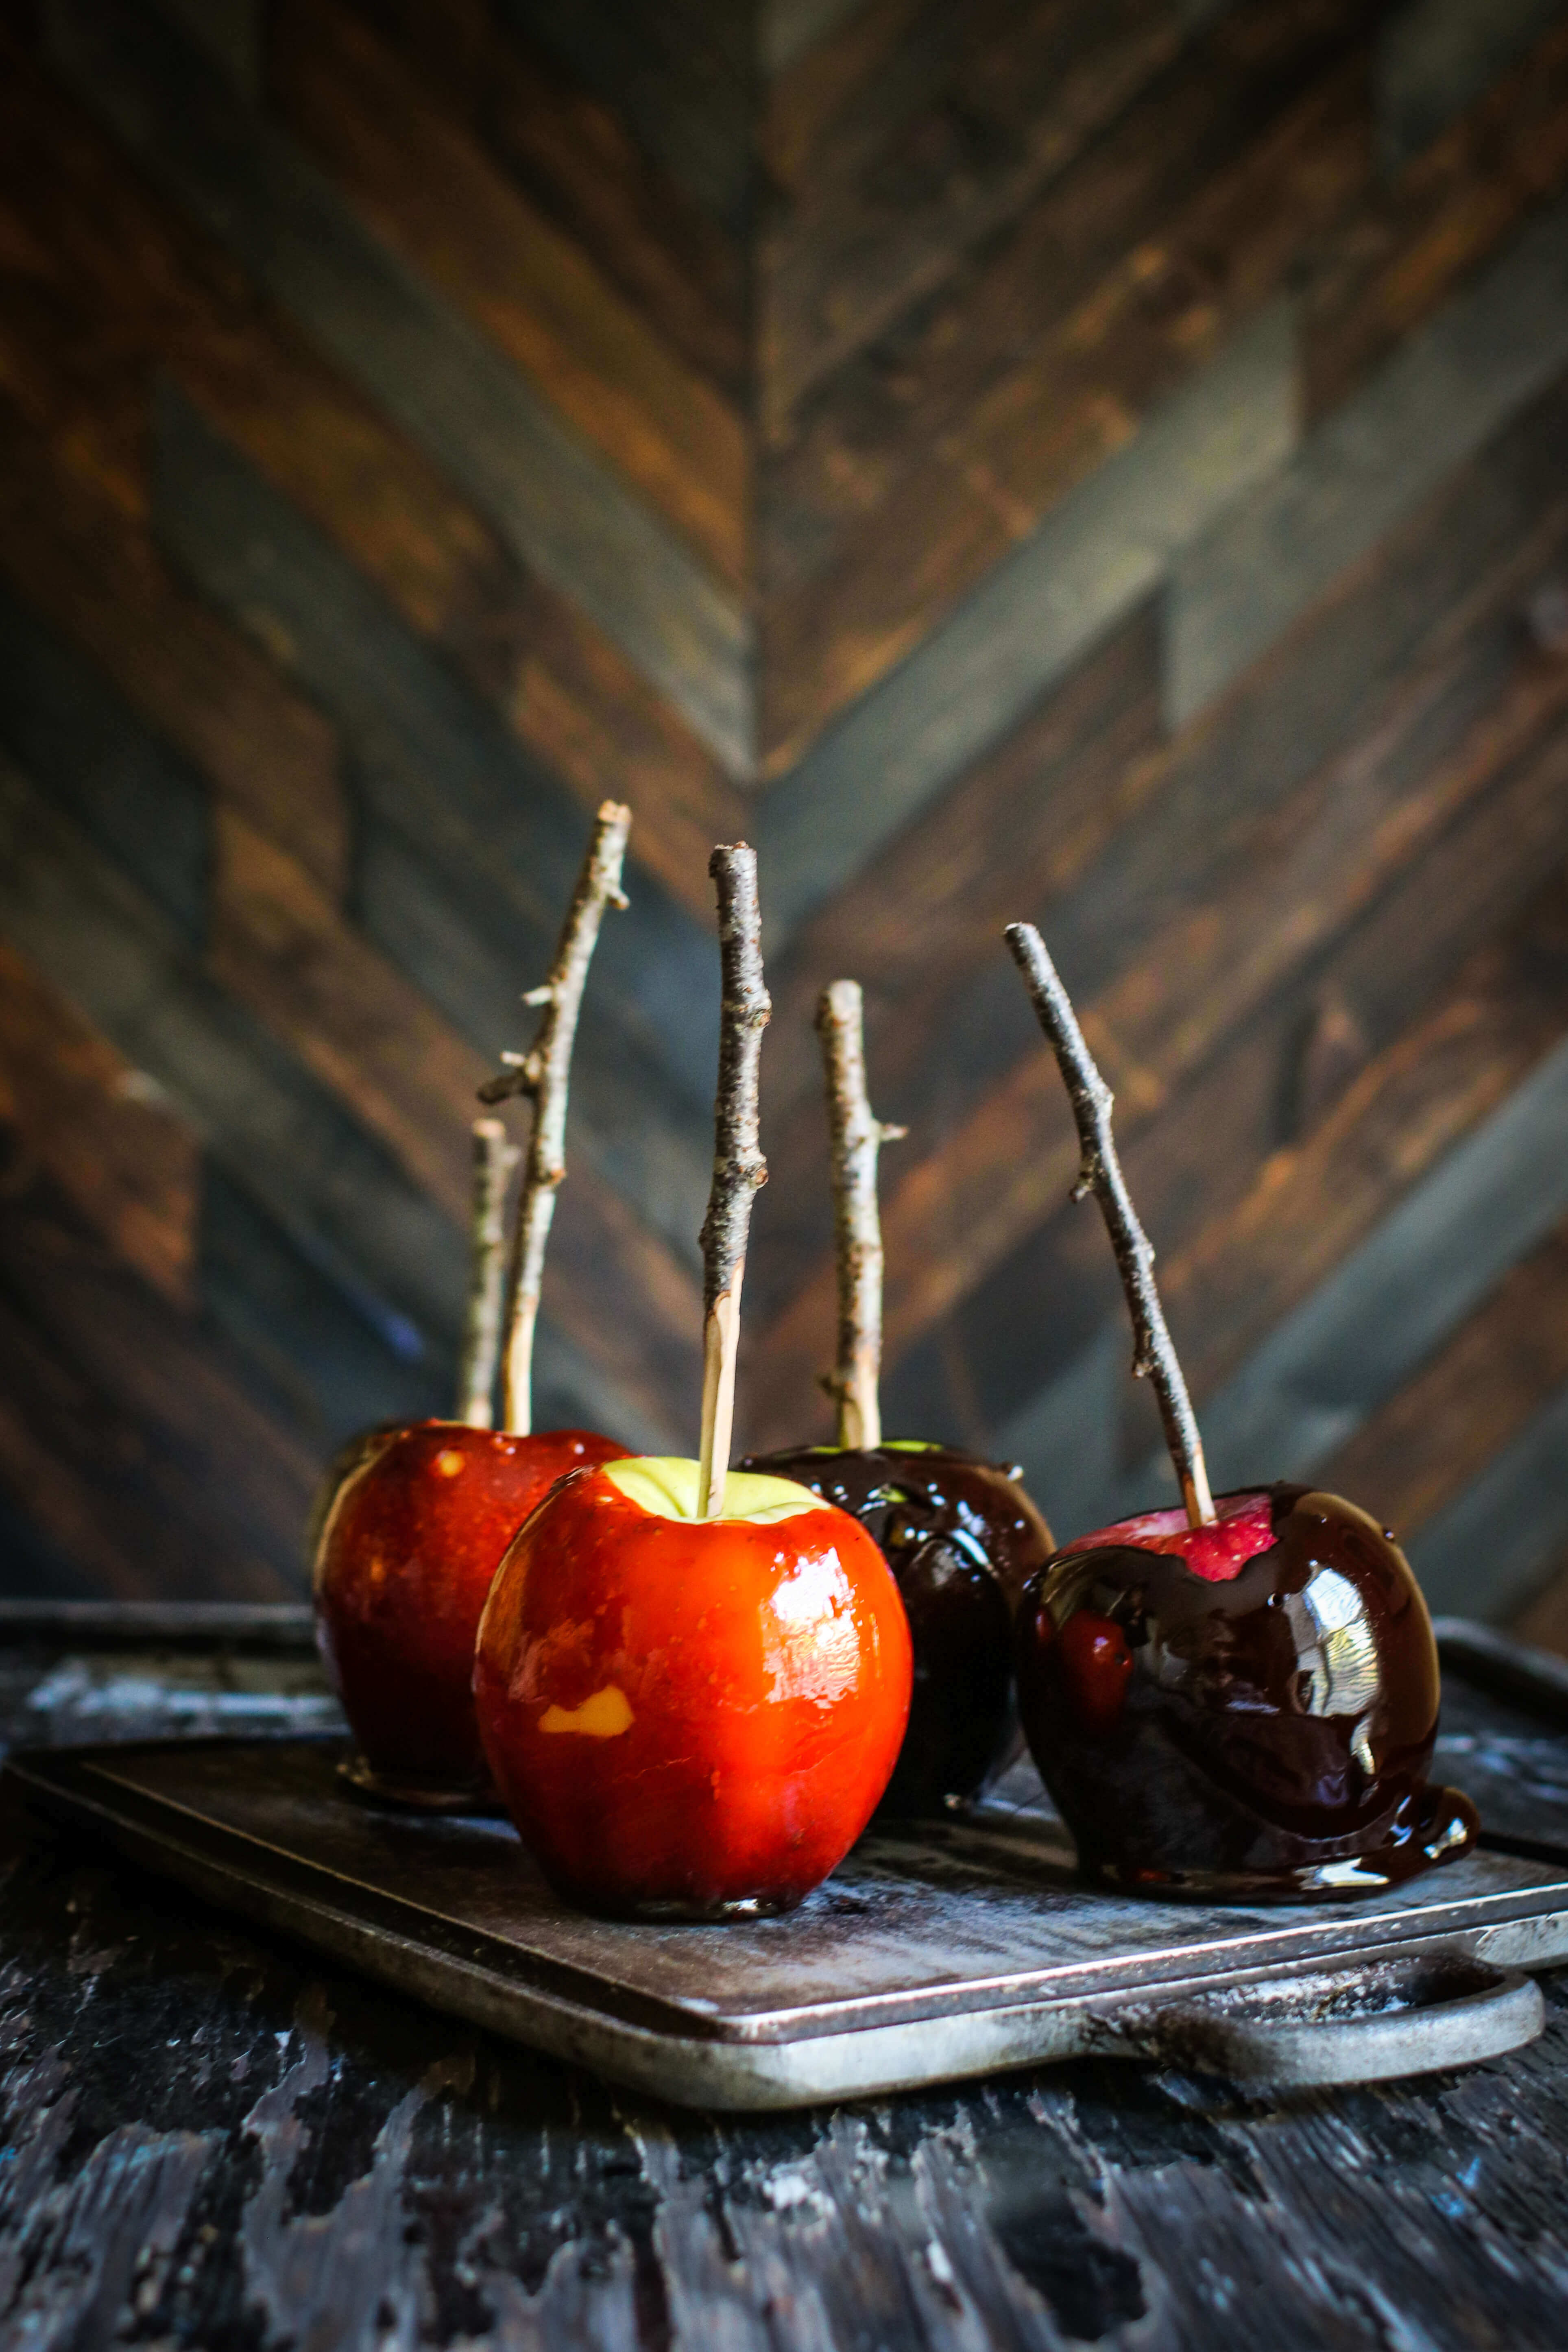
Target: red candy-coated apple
[(1245, 1709), (690, 1718), (413, 1520), (404, 1559)]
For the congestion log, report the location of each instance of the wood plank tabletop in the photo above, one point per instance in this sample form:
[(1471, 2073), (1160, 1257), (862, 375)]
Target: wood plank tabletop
[(209, 2140)]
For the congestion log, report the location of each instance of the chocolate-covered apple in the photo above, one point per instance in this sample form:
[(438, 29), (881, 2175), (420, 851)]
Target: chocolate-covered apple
[(960, 1534), (1236, 1699), (413, 1519), (692, 1684)]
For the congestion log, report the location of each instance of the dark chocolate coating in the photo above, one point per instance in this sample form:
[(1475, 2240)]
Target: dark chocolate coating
[(961, 1538), (1263, 1738)]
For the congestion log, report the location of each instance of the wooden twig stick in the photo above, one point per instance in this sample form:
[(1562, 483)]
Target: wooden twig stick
[(1100, 1173), (857, 1136), (543, 1074), (739, 1167), (495, 1157)]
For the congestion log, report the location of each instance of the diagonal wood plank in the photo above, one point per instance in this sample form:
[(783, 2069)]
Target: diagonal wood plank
[(73, 554), (279, 949), (467, 851), (1420, 234), (250, 186), (433, 197), (278, 1135), (116, 285), (908, 137), (1105, 548), (125, 1437), (907, 479), (1435, 57), (579, 161), (1197, 893), (1477, 1394), (1446, 392), (1441, 996), (102, 1133), (1391, 1302), (1491, 1549)]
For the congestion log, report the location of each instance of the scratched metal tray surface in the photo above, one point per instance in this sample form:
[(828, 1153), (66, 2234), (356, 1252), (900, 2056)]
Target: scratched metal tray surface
[(937, 1951)]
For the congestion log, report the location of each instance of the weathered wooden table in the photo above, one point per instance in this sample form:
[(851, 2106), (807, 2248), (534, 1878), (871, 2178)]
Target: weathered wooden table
[(208, 2140)]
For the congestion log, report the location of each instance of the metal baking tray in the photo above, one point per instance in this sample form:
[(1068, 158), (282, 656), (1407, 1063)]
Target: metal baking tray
[(937, 1950)]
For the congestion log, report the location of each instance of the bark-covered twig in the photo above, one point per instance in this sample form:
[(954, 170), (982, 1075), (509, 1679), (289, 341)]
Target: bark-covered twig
[(857, 1136), (542, 1074), (495, 1157), (739, 1167), (1100, 1173)]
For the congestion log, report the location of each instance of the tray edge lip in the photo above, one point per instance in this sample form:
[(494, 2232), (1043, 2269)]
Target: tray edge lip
[(50, 1775)]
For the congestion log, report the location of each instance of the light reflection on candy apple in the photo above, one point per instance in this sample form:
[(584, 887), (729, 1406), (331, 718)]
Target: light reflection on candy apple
[(1238, 1698), (413, 1519), (690, 1717), (693, 1683), (960, 1534)]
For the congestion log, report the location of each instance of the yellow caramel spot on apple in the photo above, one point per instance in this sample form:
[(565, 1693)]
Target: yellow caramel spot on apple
[(450, 1464), (604, 1716)]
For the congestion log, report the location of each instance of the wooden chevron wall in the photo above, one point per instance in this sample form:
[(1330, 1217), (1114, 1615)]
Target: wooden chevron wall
[(1101, 463)]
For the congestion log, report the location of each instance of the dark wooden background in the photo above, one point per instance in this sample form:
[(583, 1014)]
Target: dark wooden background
[(1098, 460)]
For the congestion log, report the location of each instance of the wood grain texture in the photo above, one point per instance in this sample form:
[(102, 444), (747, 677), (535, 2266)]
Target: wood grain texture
[(119, 289), (1250, 167), (435, 199), (278, 948), (123, 1436), (450, 808), (580, 163), (73, 555), (101, 1130), (1417, 237), (1474, 1397), (1171, 933), (1504, 1533), (679, 77), (1442, 397), (968, 439), (366, 2167), (283, 223), (1034, 613), (1161, 532), (910, 135)]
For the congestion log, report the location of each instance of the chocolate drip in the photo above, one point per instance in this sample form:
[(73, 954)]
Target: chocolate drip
[(961, 1538), (1265, 1736)]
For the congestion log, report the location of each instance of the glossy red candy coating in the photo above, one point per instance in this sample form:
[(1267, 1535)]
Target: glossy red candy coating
[(689, 1719), (403, 1560), (1256, 1724), (1244, 1527)]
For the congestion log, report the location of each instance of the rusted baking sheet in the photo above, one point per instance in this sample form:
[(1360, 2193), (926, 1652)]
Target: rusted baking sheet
[(945, 1949)]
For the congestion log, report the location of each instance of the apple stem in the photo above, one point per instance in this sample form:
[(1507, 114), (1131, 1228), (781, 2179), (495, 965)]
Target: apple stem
[(495, 1157), (857, 1136), (739, 1167), (1100, 1173), (543, 1075)]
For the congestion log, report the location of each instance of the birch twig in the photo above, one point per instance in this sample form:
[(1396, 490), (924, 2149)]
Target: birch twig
[(739, 1167), (543, 1074), (1100, 1173), (857, 1136), (495, 1157)]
